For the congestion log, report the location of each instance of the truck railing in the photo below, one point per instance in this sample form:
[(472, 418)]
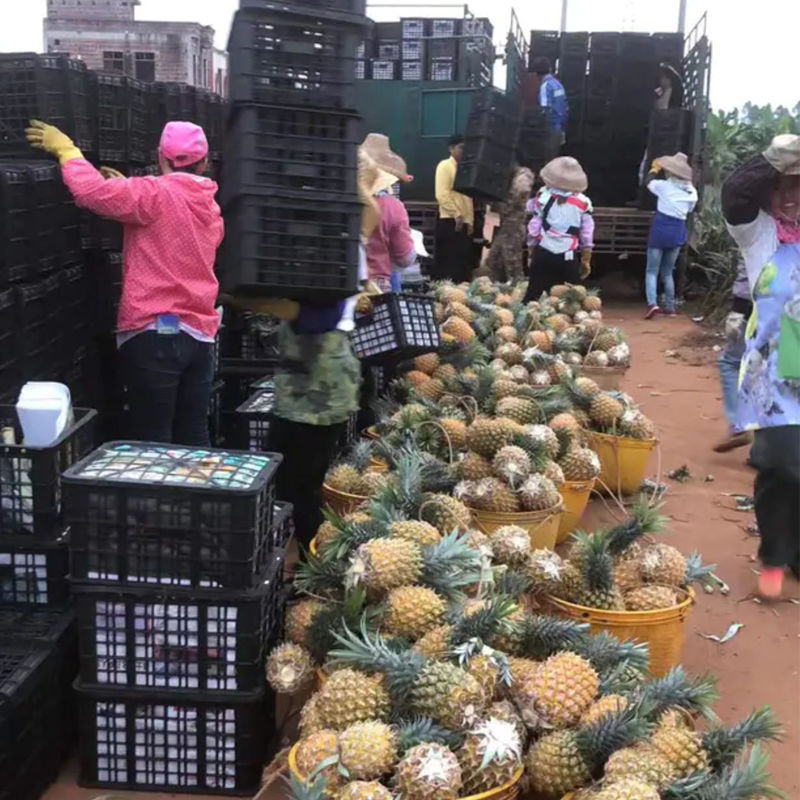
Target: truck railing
[(695, 34)]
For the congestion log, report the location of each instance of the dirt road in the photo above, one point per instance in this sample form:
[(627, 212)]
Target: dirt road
[(761, 664)]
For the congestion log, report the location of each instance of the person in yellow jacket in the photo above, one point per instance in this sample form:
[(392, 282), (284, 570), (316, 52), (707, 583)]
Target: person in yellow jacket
[(453, 257)]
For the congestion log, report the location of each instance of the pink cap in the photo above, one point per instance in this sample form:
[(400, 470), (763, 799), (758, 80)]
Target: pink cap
[(183, 143)]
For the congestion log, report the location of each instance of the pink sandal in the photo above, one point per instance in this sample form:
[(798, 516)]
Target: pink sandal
[(770, 582)]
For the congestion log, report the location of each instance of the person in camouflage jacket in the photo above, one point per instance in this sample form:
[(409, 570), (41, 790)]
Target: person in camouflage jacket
[(505, 256)]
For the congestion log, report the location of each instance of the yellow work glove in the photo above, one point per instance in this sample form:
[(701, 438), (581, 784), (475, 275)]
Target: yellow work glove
[(52, 140), (586, 264), (655, 167), (110, 173), (276, 307)]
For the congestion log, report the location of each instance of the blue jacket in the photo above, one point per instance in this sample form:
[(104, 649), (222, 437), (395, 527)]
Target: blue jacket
[(553, 97), (318, 319)]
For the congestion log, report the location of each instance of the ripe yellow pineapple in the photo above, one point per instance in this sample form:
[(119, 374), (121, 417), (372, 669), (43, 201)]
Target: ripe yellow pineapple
[(417, 378), (343, 478), (310, 721), (456, 431), (627, 573), (587, 386), (445, 513), (313, 750), (636, 425), (558, 322), (580, 464), (416, 531), (565, 422), (545, 569), (603, 707), (447, 292), (505, 710), (435, 644), (628, 789), (520, 409), (540, 340), (663, 563), (506, 333), (497, 496), (640, 761), (553, 472), (364, 790), (503, 317), (289, 668), (490, 756), (456, 309), (462, 331), (650, 598), (412, 611), (367, 750), (349, 696), (503, 388), (428, 772), (592, 302), (511, 545), (432, 389), (299, 616), (385, 564), (682, 748), (486, 672), (369, 483), (474, 467), (538, 493), (555, 764), (559, 693), (510, 352), (444, 372), (511, 464), (426, 363), (596, 358), (605, 410)]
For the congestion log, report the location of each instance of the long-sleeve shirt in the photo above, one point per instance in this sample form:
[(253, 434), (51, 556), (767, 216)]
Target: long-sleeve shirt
[(452, 204), (172, 228), (676, 198), (553, 97), (390, 243), (562, 221)]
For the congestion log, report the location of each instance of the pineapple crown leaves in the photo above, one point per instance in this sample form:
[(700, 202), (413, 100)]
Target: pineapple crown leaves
[(370, 652), (320, 574), (358, 455), (319, 637), (450, 564), (403, 493), (605, 652), (612, 732), (411, 731), (723, 743), (353, 534), (384, 408), (473, 353), (314, 787), (595, 561), (697, 572), (536, 450), (484, 623), (677, 690), (644, 520), (620, 679), (509, 583), (534, 359), (465, 652), (500, 741), (542, 636)]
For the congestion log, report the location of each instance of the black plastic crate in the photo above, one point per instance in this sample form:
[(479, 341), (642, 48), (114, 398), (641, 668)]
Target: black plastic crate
[(442, 48), (282, 528), (442, 69), (636, 47), (283, 58), (75, 311), (350, 434), (485, 169), (54, 88), (543, 43), (250, 341), (414, 28), (33, 573), (412, 50), (176, 639), (58, 238), (122, 118), (412, 70), (494, 116), (291, 148), (30, 704), (18, 256), (9, 358), (209, 742), (215, 415), (293, 244), (391, 50), (575, 43), (105, 289), (668, 47), (383, 69), (253, 418), (398, 326), (319, 7), (604, 44), (363, 70), (154, 514), (478, 26)]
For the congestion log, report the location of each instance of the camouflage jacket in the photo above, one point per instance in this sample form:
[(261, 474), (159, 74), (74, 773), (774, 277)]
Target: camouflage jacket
[(318, 377)]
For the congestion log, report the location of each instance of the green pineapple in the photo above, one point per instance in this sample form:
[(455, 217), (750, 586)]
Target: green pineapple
[(598, 589)]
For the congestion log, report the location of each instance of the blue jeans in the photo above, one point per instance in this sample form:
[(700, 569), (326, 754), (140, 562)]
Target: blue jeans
[(729, 361), (661, 263)]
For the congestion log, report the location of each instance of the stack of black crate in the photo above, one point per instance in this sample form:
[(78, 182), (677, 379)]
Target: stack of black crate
[(38, 643), (177, 559)]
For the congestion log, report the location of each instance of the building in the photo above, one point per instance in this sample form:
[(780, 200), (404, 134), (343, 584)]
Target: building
[(107, 36)]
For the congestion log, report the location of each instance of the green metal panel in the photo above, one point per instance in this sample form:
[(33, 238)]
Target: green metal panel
[(418, 117)]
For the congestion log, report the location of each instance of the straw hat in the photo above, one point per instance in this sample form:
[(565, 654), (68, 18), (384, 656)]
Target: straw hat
[(677, 165), (391, 167), (565, 173)]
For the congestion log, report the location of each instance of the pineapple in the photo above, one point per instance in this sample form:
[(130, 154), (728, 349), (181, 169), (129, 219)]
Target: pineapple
[(544, 569), (421, 533), (559, 290), (553, 472), (664, 564), (519, 409), (511, 464), (650, 598), (636, 425), (367, 750), (558, 322), (565, 760), (539, 340), (504, 710), (310, 721), (627, 574), (456, 433), (412, 611), (417, 378), (538, 493), (544, 436), (462, 331), (299, 616), (447, 292), (364, 790), (486, 436), (343, 478), (596, 358), (435, 644), (592, 301), (456, 309), (507, 333), (640, 761), (519, 374), (560, 692), (428, 772), (591, 555), (490, 756), (432, 389), (369, 484), (315, 749), (504, 388), (565, 422), (511, 545), (570, 583), (608, 338), (494, 495), (474, 467), (580, 464), (587, 386), (603, 707), (289, 668), (683, 749), (605, 410), (628, 789), (486, 671), (385, 564), (445, 513), (349, 696), (521, 671), (619, 356), (426, 363)]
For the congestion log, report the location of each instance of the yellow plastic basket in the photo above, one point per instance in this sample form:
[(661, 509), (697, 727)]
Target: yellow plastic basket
[(623, 461), (608, 378), (663, 630), (542, 526), (576, 498), (341, 503)]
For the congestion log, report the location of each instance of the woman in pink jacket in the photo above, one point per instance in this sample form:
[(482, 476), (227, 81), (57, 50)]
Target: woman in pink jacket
[(167, 322)]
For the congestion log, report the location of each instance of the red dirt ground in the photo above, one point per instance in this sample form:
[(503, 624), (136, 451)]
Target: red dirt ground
[(762, 663)]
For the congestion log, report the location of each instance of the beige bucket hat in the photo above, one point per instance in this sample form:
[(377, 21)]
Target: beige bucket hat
[(566, 174), (677, 165), (391, 167)]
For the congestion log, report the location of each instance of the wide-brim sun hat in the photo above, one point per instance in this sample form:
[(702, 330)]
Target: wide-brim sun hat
[(566, 174), (677, 165), (391, 167)]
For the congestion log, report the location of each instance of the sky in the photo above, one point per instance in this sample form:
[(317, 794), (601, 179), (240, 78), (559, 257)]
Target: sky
[(756, 55)]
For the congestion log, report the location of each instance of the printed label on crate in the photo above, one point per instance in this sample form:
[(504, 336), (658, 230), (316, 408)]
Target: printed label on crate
[(168, 465)]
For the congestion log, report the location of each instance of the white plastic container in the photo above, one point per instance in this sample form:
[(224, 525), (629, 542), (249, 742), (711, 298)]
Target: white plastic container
[(44, 410)]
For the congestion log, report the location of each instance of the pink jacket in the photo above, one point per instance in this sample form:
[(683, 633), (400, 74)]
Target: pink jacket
[(172, 228), (391, 242)]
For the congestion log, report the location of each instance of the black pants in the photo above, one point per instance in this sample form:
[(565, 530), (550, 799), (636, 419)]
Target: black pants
[(776, 455), (307, 451), (167, 379), (548, 269), (454, 254)]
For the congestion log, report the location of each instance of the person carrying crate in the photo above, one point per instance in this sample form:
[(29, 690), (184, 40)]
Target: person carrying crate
[(167, 319)]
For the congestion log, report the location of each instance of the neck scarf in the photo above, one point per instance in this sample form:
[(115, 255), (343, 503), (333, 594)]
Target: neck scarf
[(788, 232)]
